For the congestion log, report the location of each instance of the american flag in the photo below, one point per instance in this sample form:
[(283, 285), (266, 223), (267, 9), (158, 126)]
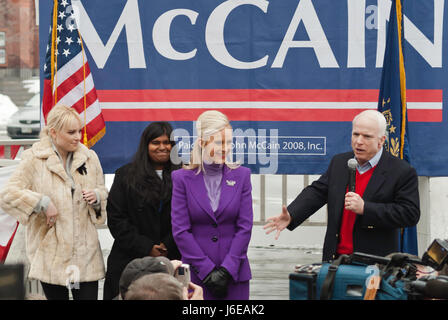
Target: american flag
[(67, 77)]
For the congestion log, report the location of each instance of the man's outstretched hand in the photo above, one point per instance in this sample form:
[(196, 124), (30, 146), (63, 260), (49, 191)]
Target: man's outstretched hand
[(278, 223)]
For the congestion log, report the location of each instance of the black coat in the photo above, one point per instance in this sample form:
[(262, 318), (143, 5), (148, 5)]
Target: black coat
[(136, 223), (391, 202)]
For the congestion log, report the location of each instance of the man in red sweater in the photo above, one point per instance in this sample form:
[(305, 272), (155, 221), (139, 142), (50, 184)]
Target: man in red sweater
[(367, 220)]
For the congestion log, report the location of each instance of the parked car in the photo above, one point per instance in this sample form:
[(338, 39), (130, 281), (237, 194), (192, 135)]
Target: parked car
[(7, 109), (25, 123)]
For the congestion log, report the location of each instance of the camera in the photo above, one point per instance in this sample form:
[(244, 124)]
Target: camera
[(182, 274)]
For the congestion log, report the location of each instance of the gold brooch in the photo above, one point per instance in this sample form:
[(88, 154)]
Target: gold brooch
[(230, 183)]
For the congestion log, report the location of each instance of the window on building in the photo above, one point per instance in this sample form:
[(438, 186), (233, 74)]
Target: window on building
[(2, 47)]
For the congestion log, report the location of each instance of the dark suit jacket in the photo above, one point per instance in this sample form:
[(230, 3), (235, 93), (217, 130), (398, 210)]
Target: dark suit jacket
[(136, 223), (391, 201)]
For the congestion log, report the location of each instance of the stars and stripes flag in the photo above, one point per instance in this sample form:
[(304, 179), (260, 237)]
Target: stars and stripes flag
[(67, 76), (392, 103)]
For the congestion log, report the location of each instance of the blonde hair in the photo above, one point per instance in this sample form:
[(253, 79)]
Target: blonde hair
[(208, 123), (58, 118)]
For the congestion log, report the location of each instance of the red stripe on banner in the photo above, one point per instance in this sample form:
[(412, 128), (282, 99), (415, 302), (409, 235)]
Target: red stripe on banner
[(425, 115), (236, 95), (299, 95), (72, 81), (424, 95), (236, 114)]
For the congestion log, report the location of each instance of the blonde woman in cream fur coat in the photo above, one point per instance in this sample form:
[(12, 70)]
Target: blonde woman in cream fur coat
[(58, 192)]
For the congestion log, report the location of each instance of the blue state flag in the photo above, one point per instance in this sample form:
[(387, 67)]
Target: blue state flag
[(392, 103)]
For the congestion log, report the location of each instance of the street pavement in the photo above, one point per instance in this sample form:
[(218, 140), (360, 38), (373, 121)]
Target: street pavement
[(271, 267)]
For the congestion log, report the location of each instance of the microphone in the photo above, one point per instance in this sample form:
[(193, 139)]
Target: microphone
[(351, 163)]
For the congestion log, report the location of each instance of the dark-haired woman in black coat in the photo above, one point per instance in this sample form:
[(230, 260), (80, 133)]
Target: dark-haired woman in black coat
[(139, 206)]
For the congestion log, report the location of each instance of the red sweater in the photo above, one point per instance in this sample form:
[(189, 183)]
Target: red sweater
[(345, 245)]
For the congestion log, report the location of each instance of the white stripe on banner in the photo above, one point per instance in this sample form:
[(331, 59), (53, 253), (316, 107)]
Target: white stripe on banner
[(261, 105), (7, 222), (77, 92), (425, 105), (238, 104)]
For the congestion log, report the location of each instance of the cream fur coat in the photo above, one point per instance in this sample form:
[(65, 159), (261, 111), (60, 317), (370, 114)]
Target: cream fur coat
[(70, 249)]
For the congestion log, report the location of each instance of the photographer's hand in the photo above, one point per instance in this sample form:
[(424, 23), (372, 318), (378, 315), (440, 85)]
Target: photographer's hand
[(196, 292), (176, 264)]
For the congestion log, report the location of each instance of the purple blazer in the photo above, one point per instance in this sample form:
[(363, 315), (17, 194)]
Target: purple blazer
[(208, 239)]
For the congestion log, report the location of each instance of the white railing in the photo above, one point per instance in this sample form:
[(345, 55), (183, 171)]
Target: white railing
[(284, 199)]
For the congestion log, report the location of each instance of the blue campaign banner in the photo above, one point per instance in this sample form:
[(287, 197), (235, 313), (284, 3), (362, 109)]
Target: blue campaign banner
[(289, 74)]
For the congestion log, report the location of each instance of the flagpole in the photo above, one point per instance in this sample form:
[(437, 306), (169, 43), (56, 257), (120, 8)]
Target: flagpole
[(402, 76), (402, 93), (54, 58), (85, 141)]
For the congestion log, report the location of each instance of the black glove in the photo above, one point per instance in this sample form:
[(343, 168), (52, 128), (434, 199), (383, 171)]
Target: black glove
[(217, 282)]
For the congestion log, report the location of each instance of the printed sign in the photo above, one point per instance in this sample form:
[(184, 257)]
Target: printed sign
[(293, 72)]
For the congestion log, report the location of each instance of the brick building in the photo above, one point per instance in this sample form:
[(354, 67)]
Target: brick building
[(19, 38)]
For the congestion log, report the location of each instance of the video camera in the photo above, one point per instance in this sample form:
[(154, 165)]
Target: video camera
[(400, 276), (418, 284)]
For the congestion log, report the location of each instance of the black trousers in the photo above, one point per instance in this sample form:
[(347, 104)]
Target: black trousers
[(86, 291)]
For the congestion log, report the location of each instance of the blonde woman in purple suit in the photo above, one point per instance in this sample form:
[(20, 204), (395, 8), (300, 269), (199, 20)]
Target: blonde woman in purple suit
[(212, 214)]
